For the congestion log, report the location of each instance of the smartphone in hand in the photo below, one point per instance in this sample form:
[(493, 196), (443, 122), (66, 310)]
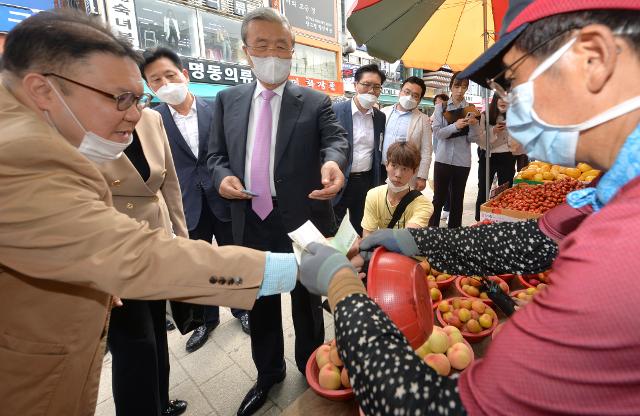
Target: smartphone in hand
[(247, 192)]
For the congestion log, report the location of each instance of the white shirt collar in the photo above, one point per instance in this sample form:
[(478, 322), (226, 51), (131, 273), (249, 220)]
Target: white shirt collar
[(355, 109), (279, 90), (193, 110)]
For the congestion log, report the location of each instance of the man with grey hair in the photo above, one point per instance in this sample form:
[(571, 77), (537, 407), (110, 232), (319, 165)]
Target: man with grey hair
[(277, 152)]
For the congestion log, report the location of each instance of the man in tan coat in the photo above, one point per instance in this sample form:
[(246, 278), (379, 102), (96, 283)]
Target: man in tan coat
[(70, 97)]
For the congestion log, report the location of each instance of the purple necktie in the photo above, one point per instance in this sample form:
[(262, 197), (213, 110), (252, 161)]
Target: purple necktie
[(260, 178)]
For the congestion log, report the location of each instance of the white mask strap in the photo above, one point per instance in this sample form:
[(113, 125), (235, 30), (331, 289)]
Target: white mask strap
[(551, 59), (67, 107), (610, 114)]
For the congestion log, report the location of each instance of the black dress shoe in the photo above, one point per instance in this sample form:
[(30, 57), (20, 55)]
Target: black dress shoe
[(170, 326), (254, 400), (200, 336), (244, 322), (175, 408)]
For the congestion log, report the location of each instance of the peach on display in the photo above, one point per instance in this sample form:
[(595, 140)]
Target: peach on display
[(473, 326), (438, 341), (329, 377), (322, 355), (335, 357), (464, 314), (344, 378), (439, 362), (486, 321), (459, 355), (478, 306)]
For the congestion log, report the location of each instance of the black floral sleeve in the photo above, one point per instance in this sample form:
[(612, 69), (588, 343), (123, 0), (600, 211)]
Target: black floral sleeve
[(387, 376), (507, 247)]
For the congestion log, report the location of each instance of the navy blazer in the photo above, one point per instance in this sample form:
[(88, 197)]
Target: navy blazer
[(308, 135), (193, 174), (345, 117)]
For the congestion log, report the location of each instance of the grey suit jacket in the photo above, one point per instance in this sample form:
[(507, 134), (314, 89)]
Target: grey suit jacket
[(308, 136)]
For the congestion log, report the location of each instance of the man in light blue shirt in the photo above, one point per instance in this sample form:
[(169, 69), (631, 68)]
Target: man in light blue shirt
[(405, 122)]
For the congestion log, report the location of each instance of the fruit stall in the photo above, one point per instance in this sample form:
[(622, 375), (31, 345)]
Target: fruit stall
[(538, 187), (454, 322)]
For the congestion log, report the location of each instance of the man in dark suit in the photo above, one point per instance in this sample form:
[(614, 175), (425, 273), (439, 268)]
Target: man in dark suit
[(277, 153), (187, 121), (365, 130)]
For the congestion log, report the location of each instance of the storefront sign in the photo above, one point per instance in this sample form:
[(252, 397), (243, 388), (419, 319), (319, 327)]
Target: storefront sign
[(391, 87), (240, 7), (212, 72), (122, 20), (326, 86), (218, 72), (314, 16)]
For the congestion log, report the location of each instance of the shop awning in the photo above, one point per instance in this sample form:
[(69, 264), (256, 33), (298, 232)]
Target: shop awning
[(199, 90)]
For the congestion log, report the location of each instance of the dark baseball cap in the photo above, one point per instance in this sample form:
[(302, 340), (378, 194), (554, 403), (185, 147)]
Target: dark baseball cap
[(519, 15)]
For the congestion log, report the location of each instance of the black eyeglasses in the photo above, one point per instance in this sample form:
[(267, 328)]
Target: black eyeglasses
[(503, 92), (123, 101), (369, 86)]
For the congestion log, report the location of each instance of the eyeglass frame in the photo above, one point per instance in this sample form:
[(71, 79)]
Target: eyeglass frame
[(263, 49), (499, 89), (412, 94), (371, 87), (116, 98)]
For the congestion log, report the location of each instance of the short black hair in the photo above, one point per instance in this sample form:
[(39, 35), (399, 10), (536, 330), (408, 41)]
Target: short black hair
[(370, 68), (149, 56), (418, 81), (54, 40), (551, 32), (443, 97), (456, 80)]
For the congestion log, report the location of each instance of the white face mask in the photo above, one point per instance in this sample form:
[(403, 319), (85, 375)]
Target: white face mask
[(271, 69), (173, 93), (407, 102), (367, 100), (94, 147), (396, 189)]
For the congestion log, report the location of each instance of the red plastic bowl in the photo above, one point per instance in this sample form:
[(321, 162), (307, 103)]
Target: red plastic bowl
[(470, 336), (524, 279), (506, 277), (398, 285), (464, 294), (312, 372), (446, 283)]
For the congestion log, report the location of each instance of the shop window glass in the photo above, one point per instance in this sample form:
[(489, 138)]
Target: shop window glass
[(222, 40), (314, 63), (168, 25)]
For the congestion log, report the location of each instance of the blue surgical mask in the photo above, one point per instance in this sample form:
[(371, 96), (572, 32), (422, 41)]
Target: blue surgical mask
[(541, 140)]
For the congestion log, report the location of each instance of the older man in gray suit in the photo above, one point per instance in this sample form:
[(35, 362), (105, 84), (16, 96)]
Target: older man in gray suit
[(278, 153)]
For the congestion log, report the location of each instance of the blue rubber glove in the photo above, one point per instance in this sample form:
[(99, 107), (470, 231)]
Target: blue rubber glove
[(318, 265), (397, 240)]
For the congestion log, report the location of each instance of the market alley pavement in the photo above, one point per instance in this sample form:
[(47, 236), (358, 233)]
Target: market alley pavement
[(215, 378)]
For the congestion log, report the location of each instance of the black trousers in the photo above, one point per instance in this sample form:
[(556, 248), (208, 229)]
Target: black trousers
[(208, 226), (501, 164), (448, 180), (137, 340), (521, 161), (267, 338), (353, 198)]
